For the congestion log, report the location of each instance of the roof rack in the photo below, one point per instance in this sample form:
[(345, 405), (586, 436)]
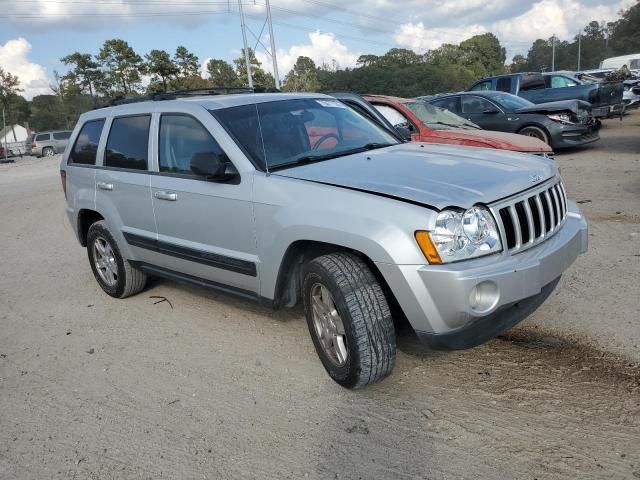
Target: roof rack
[(186, 92)]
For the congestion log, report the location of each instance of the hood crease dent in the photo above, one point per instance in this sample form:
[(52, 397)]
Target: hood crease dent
[(432, 176)]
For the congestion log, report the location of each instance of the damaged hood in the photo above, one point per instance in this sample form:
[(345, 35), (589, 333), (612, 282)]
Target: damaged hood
[(575, 106), (433, 175)]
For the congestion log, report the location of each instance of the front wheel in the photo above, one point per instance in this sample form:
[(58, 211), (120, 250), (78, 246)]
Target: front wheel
[(349, 320), (535, 132)]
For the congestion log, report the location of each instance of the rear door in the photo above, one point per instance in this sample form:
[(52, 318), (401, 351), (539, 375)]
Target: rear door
[(205, 228), (123, 192), (482, 112)]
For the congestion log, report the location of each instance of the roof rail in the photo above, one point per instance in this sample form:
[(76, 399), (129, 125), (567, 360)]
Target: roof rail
[(185, 92)]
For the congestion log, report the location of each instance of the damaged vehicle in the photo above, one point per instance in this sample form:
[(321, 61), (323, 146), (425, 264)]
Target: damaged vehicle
[(285, 199), (569, 123)]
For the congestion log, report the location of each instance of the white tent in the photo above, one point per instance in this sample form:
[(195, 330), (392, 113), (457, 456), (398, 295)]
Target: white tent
[(14, 137)]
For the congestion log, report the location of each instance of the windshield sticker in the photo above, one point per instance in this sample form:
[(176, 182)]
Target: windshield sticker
[(331, 103)]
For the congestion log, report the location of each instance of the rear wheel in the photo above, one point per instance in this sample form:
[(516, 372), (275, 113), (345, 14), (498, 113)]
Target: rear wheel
[(535, 132), (349, 320), (48, 152), (115, 275)]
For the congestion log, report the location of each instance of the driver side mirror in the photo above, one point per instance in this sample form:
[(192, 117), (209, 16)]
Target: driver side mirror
[(491, 111), (405, 130), (214, 167)]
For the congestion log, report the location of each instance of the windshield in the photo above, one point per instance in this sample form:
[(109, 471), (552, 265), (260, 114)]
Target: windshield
[(438, 118), (284, 133), (510, 101)]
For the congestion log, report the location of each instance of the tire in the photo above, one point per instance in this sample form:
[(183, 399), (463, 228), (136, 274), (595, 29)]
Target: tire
[(535, 132), (365, 347), (48, 152), (127, 279)]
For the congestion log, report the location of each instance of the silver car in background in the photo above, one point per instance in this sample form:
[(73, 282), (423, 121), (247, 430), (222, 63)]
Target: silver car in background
[(47, 144), (288, 198)]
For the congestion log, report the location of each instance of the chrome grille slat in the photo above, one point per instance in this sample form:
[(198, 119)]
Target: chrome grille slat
[(551, 213), (527, 211), (521, 227), (516, 226)]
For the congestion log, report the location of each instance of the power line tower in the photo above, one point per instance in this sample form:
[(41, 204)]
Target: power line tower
[(270, 51)]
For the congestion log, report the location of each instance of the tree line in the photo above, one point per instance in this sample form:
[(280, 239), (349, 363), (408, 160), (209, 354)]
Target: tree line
[(118, 71)]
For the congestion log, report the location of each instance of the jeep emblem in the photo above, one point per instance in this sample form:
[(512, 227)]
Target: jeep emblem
[(535, 178)]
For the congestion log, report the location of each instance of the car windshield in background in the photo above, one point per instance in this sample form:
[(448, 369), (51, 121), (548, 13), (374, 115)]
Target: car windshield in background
[(286, 133), (509, 101), (438, 118)]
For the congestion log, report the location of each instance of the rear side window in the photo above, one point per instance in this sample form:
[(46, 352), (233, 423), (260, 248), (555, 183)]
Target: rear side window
[(181, 137), (128, 143), (533, 81), (486, 85), (86, 146), (61, 135), (503, 84), (476, 105), (43, 137)]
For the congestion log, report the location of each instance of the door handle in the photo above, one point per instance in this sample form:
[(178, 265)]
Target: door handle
[(163, 195), (104, 186)]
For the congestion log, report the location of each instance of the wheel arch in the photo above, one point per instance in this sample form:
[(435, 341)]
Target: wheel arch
[(536, 125), (86, 218)]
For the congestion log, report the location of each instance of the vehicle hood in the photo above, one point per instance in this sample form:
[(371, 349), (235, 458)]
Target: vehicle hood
[(433, 175), (575, 106), (501, 140)]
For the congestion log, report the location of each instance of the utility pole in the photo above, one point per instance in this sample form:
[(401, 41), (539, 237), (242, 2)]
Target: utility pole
[(4, 127), (553, 53), (579, 41), (273, 47), (247, 58)]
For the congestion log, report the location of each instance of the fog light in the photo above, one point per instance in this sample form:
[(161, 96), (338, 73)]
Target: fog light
[(484, 297)]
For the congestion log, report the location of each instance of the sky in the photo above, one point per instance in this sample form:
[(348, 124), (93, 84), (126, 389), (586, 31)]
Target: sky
[(35, 34)]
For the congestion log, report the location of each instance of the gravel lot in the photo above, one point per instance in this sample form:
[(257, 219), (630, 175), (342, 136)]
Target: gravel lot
[(216, 387)]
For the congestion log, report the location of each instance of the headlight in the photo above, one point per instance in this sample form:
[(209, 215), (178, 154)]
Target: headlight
[(562, 118), (460, 236)]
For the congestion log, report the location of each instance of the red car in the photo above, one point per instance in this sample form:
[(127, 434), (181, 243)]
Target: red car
[(428, 123)]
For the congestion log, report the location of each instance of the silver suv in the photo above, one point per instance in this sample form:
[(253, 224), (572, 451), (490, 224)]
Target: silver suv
[(282, 198), (47, 144)]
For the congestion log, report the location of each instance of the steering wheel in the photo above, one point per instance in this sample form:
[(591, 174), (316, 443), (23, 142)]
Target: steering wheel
[(323, 139)]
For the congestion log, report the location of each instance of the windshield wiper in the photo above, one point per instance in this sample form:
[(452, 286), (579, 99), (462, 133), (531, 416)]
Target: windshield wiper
[(453, 125), (328, 156)]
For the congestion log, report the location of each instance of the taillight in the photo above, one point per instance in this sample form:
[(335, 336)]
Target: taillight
[(63, 179), (33, 144)]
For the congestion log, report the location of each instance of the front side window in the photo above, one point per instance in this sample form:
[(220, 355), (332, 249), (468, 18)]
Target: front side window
[(43, 137), (476, 105), (449, 103), (85, 147), (128, 143), (182, 137), (283, 133), (61, 135)]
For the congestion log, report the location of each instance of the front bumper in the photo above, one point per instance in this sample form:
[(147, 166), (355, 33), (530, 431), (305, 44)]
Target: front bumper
[(608, 110), (575, 135), (436, 298)]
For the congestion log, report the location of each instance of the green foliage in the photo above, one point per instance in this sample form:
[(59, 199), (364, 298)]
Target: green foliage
[(9, 85), (625, 32), (303, 77), (122, 68), (160, 66), (85, 69), (258, 75), (186, 62), (221, 74)]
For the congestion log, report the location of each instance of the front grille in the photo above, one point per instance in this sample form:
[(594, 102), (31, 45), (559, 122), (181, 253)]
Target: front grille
[(530, 218), (543, 154)]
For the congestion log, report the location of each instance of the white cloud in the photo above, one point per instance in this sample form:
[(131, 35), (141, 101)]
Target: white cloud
[(33, 77), (420, 38), (323, 48)]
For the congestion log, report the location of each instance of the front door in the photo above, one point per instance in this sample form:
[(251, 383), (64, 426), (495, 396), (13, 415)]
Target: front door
[(205, 228), (482, 112)]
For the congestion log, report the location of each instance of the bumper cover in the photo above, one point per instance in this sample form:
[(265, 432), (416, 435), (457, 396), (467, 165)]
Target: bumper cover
[(436, 298)]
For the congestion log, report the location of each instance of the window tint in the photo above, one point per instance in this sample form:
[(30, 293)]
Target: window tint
[(128, 143), (504, 84), (558, 81), (394, 116), (61, 135), (86, 145), (43, 137), (449, 103), (486, 85), (533, 81), (476, 105), (181, 137)]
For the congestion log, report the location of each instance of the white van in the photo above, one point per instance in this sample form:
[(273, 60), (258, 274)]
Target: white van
[(632, 61)]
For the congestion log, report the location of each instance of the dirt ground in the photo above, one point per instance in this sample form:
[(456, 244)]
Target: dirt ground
[(211, 386)]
